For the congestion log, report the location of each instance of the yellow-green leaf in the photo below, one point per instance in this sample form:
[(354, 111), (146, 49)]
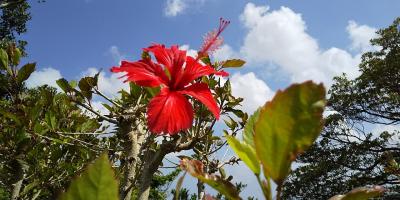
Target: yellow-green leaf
[(4, 61), (361, 194), (64, 85), (233, 63), (16, 56), (248, 131), (25, 72), (287, 126), (96, 183), (245, 152)]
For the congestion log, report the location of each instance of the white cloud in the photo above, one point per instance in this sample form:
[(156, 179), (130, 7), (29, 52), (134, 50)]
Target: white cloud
[(177, 7), (116, 54), (254, 91), (189, 51), (174, 7), (108, 84), (46, 76), (279, 36), (379, 128), (225, 52), (360, 36)]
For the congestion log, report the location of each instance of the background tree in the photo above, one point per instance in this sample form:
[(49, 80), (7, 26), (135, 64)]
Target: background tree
[(14, 15), (348, 154), (13, 19), (45, 139)]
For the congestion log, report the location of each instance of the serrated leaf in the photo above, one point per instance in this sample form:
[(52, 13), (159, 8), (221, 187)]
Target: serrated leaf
[(25, 72), (84, 84), (361, 194), (248, 131), (233, 63), (287, 126), (96, 183), (245, 152), (196, 169), (64, 85)]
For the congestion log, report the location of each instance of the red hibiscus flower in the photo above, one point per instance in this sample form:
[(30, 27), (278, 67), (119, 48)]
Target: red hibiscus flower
[(170, 111)]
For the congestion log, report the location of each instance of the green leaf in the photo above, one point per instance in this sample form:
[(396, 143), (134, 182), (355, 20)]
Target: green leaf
[(231, 123), (245, 152), (16, 56), (84, 84), (196, 169), (287, 126), (248, 132), (206, 60), (4, 61), (64, 85), (73, 83), (96, 183), (51, 120), (108, 107), (25, 72), (153, 91), (233, 63), (10, 116), (134, 89), (90, 125), (361, 194)]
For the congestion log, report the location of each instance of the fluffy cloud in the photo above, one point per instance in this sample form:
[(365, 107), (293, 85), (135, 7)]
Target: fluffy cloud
[(189, 51), (279, 36), (254, 91), (360, 36), (46, 76), (108, 84), (176, 7), (225, 52)]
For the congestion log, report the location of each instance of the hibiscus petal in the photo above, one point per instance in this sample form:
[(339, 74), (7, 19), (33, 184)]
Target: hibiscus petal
[(144, 73), (169, 112), (201, 92), (172, 58), (194, 70)]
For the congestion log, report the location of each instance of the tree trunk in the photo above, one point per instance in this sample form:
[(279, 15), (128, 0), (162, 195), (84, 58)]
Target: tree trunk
[(152, 161), (19, 176), (133, 144)]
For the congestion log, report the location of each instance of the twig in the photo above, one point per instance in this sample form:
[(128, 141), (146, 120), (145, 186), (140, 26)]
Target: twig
[(107, 98), (113, 121), (80, 133)]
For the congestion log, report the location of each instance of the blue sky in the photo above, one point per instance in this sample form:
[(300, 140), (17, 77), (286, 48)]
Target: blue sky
[(283, 41)]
